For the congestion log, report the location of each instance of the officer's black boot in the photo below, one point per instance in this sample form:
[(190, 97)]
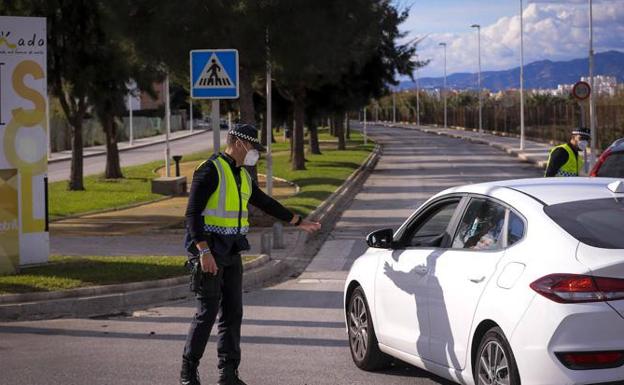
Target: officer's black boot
[(189, 375), (228, 375)]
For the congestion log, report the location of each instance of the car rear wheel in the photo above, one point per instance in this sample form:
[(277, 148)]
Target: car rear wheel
[(362, 340), (495, 363)]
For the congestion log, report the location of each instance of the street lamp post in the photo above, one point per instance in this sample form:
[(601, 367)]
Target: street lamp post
[(394, 107), (417, 99), (592, 97), (478, 27), (444, 89), (521, 77)]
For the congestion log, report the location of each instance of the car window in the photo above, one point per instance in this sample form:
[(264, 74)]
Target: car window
[(481, 227), (430, 232), (613, 167), (595, 222), (515, 228)]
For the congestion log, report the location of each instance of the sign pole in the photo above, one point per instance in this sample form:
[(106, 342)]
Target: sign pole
[(191, 114), (167, 126), (216, 133)]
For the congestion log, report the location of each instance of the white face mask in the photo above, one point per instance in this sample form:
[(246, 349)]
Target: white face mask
[(251, 158), (582, 145)]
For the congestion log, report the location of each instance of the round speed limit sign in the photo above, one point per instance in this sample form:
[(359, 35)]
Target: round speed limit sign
[(581, 90)]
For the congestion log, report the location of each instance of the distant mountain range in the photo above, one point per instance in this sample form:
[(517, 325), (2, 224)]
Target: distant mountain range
[(544, 74)]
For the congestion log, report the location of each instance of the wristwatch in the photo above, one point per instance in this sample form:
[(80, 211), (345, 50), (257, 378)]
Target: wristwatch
[(204, 251)]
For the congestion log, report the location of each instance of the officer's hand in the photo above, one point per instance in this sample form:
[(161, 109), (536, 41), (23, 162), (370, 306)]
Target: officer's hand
[(309, 227), (208, 264)]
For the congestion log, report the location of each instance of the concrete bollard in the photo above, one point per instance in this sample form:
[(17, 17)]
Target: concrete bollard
[(278, 236), (265, 243)]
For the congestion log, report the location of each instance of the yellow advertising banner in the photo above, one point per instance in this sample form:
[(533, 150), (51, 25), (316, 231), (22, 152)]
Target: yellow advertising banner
[(23, 139), (9, 222)]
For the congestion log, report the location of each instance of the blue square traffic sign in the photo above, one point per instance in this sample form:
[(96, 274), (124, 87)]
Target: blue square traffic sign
[(214, 74)]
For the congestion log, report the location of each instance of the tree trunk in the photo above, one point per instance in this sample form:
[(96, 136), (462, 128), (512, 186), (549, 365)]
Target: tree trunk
[(339, 123), (75, 177), (348, 126), (263, 130), (247, 109), (113, 166), (314, 141), (298, 160), (332, 126), (288, 132)]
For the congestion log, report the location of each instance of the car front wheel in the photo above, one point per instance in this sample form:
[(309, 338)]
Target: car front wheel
[(362, 340), (495, 363)]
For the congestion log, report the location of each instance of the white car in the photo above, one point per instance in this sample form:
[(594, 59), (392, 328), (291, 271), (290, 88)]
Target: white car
[(508, 282)]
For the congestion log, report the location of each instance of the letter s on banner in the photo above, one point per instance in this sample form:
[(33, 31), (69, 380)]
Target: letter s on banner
[(27, 119)]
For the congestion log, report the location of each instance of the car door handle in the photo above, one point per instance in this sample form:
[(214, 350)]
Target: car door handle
[(421, 270), (477, 279)]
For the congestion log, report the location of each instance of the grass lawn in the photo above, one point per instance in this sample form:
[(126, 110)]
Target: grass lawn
[(64, 273), (102, 194), (324, 174)]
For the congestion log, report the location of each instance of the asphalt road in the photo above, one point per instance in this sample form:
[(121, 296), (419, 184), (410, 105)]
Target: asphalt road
[(293, 333), (58, 171)]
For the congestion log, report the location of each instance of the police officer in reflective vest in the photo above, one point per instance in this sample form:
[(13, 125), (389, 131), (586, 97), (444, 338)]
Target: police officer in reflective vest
[(217, 222), (565, 160)]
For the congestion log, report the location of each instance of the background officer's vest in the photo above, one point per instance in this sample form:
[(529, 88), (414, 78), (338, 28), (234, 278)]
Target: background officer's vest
[(226, 210), (574, 164)]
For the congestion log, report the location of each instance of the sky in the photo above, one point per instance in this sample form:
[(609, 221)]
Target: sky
[(553, 29)]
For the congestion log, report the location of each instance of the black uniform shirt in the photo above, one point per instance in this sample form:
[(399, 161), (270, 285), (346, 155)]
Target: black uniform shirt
[(558, 158), (205, 182)]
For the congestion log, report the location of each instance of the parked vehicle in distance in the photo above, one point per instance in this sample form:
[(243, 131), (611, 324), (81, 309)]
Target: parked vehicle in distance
[(610, 164), (506, 283)]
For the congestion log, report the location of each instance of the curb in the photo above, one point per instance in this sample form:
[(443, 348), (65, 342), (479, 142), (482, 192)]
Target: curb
[(113, 299), (307, 245), (103, 152), (511, 151)]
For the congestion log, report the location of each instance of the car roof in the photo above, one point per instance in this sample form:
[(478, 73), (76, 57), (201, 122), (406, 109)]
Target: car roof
[(617, 146), (549, 191)]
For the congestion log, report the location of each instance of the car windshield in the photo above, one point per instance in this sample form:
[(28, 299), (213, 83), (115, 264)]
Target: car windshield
[(595, 222)]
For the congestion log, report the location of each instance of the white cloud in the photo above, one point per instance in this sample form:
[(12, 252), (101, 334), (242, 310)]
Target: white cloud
[(553, 30)]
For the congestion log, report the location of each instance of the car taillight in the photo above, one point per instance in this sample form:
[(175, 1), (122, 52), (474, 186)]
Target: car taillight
[(591, 360), (603, 157), (574, 288)]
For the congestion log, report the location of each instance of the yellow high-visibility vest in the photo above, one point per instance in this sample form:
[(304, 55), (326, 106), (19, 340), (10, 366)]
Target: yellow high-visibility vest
[(226, 211), (574, 164)]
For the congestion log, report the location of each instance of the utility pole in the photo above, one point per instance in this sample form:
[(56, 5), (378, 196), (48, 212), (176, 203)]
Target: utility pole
[(269, 157), (478, 27), (444, 89), (521, 77), (592, 95), (167, 126), (131, 134), (365, 136)]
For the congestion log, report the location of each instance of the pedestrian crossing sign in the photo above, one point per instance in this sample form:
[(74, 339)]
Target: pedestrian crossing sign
[(214, 74)]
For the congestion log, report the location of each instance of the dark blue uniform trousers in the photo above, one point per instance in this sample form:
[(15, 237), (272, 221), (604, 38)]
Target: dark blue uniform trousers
[(222, 292)]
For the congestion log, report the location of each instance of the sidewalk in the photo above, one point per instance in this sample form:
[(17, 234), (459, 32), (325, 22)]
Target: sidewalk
[(123, 146)]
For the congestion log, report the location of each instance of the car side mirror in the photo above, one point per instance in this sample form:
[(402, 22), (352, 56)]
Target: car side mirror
[(381, 239)]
